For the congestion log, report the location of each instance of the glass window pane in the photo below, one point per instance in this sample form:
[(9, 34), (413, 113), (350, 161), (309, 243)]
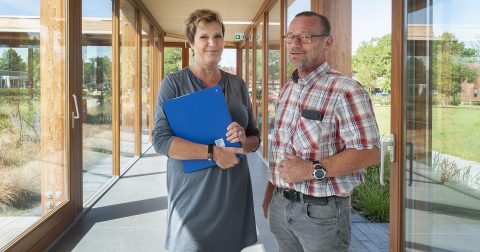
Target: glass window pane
[(273, 81), (250, 68), (128, 56), (173, 60), (442, 165), (259, 74), (33, 113), (146, 90), (97, 95), (293, 8), (228, 62)]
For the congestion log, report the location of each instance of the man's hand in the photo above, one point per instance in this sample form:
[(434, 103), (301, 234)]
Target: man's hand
[(267, 198), (293, 169)]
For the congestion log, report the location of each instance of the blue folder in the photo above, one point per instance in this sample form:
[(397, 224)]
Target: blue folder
[(200, 117)]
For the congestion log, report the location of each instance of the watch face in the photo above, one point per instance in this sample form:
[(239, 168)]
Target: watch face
[(319, 173)]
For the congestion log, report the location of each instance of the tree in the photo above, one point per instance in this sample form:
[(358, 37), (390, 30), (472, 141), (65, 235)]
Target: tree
[(273, 66), (97, 74), (371, 64), (34, 68), (173, 60), (11, 61), (448, 68)]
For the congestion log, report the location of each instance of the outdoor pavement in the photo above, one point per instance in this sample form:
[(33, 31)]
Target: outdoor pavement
[(131, 215)]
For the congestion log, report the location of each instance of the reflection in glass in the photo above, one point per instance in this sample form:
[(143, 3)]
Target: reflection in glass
[(442, 186), (97, 95), (128, 57)]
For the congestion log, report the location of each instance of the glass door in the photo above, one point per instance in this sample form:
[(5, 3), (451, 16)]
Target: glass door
[(34, 119), (440, 126), (96, 102)]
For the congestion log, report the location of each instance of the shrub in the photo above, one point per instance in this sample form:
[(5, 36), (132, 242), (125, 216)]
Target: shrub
[(7, 194), (4, 124), (19, 188), (372, 199)]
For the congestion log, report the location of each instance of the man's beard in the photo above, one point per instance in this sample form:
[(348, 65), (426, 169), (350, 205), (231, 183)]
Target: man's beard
[(304, 63)]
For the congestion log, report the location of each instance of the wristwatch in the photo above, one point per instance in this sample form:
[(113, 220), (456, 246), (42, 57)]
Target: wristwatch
[(318, 171), (210, 152)]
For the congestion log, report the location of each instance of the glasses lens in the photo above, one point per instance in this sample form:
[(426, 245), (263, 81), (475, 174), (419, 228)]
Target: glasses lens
[(289, 38), (306, 38)]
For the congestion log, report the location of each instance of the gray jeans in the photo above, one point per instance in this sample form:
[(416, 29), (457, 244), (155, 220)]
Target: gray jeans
[(304, 226)]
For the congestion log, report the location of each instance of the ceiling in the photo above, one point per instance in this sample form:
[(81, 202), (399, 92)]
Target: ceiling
[(171, 15)]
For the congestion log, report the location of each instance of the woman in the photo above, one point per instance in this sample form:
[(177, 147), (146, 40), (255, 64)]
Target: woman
[(210, 209)]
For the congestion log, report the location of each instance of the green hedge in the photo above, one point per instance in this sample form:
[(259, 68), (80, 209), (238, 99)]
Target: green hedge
[(371, 199), (18, 92)]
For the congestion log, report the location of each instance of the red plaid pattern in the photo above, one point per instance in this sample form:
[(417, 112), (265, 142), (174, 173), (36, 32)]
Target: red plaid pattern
[(347, 121)]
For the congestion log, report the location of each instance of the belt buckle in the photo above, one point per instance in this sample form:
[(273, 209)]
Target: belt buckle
[(291, 195)]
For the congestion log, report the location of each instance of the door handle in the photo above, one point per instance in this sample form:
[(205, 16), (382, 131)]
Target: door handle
[(389, 141), (76, 110), (410, 171)]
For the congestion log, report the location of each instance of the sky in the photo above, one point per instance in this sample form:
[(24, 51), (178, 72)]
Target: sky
[(370, 18)]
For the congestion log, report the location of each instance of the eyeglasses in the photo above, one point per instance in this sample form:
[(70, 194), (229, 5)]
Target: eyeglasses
[(304, 38)]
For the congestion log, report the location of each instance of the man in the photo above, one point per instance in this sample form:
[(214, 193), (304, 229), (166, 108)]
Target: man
[(325, 135)]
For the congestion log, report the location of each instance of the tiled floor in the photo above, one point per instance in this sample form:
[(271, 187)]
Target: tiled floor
[(131, 215), (12, 226)]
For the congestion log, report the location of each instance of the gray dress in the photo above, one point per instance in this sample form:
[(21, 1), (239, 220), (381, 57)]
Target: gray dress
[(211, 209)]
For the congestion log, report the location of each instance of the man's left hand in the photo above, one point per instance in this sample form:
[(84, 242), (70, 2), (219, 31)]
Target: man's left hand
[(294, 169)]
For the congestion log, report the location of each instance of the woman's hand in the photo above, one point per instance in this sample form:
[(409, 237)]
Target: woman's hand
[(226, 157), (236, 133)]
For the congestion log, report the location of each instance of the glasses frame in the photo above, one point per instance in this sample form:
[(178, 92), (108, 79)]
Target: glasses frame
[(293, 37)]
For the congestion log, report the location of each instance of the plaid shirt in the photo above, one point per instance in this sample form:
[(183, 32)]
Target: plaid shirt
[(341, 117)]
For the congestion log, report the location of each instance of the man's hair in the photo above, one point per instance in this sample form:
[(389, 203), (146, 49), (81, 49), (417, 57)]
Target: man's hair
[(323, 20), (202, 15)]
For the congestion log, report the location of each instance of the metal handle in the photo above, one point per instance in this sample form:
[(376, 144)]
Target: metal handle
[(383, 147), (410, 171), (76, 110)]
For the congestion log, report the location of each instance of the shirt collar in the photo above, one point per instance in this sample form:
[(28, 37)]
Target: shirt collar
[(315, 74)]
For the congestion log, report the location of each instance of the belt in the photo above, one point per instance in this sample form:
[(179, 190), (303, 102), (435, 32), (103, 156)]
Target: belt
[(298, 197)]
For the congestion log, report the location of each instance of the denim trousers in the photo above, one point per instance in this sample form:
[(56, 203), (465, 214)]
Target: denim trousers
[(304, 226)]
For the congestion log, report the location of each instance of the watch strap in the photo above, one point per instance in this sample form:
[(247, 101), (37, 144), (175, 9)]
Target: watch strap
[(210, 152)]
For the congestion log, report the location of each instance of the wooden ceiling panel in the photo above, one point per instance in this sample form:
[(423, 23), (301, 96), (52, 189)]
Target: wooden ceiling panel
[(171, 14)]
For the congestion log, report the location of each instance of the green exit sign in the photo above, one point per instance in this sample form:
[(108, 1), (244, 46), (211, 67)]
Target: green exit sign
[(239, 36)]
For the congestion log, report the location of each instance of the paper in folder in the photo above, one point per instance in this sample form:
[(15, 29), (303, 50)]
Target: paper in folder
[(200, 117)]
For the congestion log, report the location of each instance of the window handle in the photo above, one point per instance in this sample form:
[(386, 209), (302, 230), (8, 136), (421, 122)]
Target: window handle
[(77, 116), (410, 170)]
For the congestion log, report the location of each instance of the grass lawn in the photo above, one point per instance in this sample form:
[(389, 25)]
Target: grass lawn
[(456, 130), (382, 113)]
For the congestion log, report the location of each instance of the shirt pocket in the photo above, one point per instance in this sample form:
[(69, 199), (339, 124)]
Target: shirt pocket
[(313, 134)]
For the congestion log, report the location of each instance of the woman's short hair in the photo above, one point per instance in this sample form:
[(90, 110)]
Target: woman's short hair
[(202, 15)]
